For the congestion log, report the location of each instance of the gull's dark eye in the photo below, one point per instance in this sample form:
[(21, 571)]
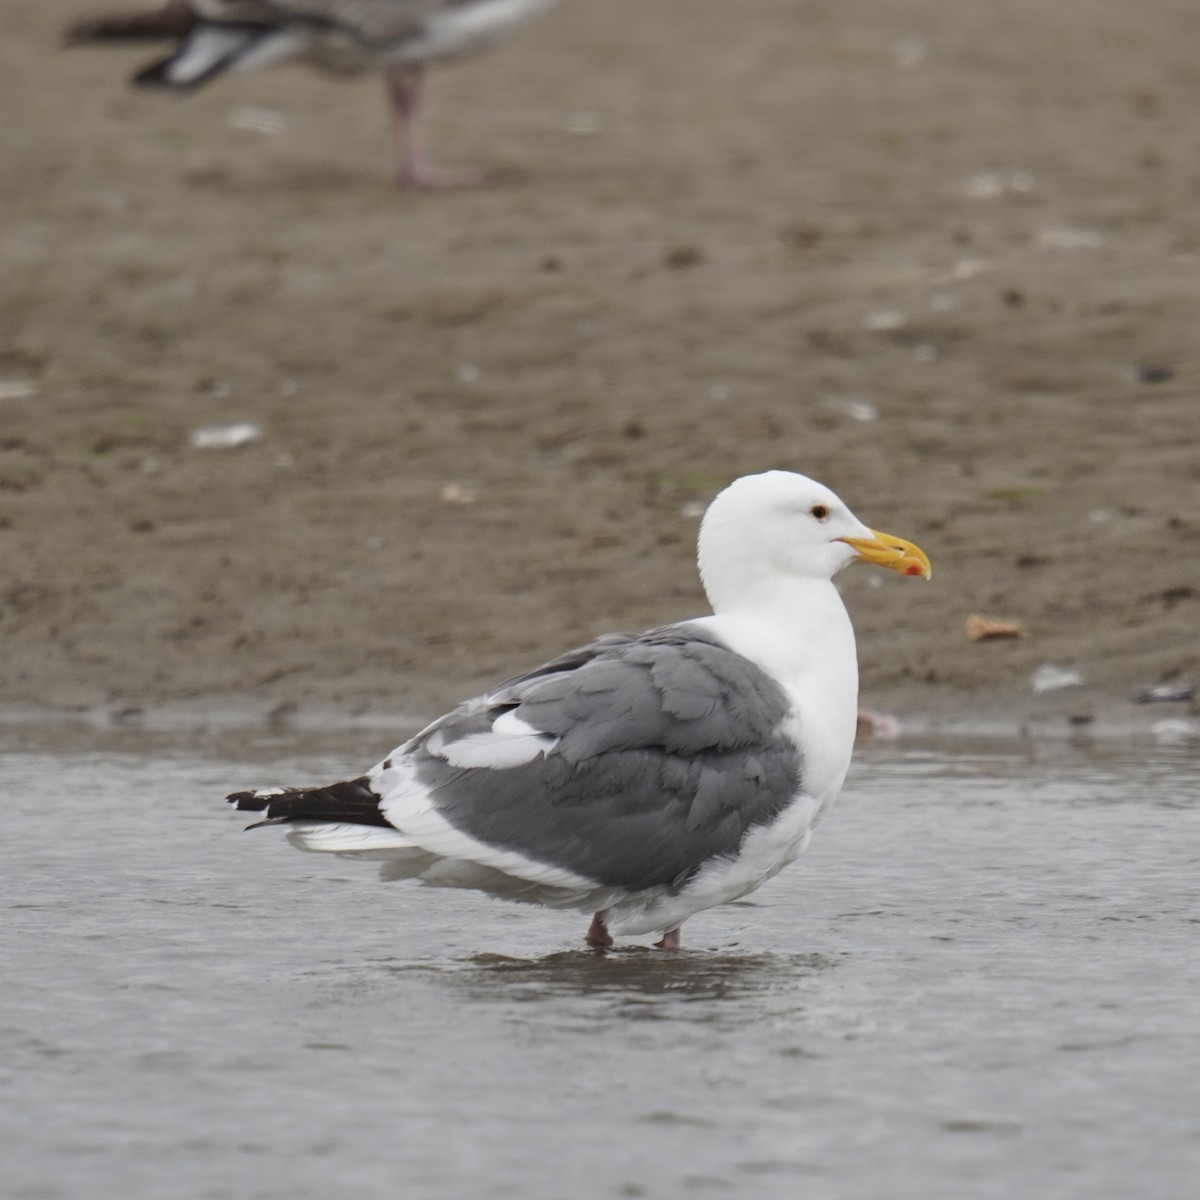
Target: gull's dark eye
[(820, 512)]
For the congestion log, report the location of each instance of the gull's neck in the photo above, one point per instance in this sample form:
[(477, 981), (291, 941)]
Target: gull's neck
[(801, 624), (798, 631)]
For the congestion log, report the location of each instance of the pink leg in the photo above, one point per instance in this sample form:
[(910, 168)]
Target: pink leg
[(597, 934), (405, 91), (670, 940)]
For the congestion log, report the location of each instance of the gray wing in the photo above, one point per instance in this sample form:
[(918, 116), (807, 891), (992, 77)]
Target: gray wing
[(363, 20), (631, 761)]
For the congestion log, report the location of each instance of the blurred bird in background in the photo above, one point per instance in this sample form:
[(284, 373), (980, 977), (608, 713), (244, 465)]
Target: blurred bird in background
[(397, 38)]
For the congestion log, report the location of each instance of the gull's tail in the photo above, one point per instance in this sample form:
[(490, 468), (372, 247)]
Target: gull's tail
[(205, 48), (341, 818), (351, 801)]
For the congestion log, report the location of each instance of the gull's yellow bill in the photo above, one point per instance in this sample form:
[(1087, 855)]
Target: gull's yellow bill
[(895, 553)]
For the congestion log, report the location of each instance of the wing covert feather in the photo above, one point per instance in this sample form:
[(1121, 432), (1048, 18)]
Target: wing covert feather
[(667, 749)]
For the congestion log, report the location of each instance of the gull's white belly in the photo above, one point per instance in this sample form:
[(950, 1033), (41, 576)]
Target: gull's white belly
[(764, 852)]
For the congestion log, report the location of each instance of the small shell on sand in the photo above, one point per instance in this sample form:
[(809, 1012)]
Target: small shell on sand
[(981, 629), (455, 493)]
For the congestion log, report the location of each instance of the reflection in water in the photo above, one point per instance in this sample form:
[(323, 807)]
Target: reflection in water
[(644, 971), (640, 977), (624, 983)]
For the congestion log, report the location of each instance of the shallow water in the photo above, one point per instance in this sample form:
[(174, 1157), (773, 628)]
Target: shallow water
[(981, 981)]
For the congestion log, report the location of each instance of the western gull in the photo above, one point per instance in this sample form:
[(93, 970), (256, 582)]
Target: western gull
[(643, 777), (399, 38)]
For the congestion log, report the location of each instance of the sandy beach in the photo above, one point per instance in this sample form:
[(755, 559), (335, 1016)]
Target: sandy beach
[(944, 258)]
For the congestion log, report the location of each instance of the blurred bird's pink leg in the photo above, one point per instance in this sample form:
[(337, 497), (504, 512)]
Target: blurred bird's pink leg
[(597, 934), (670, 940), (405, 91)]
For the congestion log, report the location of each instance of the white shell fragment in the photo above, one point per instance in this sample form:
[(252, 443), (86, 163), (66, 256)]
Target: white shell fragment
[(254, 119), (1049, 678), (17, 389), (226, 437)]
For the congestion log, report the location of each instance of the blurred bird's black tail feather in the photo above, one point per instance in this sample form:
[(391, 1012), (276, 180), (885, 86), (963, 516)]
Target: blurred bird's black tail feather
[(204, 48), (172, 21), (207, 51)]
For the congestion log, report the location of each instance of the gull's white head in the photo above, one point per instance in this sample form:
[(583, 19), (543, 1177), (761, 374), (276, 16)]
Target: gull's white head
[(763, 529)]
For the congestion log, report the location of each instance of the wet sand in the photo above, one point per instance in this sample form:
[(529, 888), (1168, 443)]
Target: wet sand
[(943, 258)]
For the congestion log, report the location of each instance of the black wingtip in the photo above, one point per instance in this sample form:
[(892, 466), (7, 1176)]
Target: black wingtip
[(248, 801), (153, 76), (156, 76), (351, 801), (170, 21)]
